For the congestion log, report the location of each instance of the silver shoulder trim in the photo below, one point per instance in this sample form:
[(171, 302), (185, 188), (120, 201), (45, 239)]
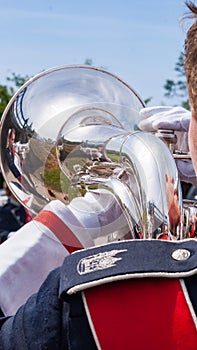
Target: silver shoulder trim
[(86, 285)]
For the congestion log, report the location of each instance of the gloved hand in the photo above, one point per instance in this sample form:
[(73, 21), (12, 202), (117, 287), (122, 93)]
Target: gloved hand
[(164, 117), (171, 118)]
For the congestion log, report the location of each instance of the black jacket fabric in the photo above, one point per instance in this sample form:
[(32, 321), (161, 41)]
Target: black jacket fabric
[(46, 322), (12, 217)]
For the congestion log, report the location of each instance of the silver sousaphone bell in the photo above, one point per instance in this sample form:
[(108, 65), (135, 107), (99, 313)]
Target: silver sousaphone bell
[(73, 130)]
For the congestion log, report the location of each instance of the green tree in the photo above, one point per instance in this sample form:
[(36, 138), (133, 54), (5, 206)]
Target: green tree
[(15, 81), (178, 88), (88, 62)]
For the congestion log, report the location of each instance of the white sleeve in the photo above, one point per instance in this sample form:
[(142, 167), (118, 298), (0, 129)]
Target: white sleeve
[(33, 251), (42, 244)]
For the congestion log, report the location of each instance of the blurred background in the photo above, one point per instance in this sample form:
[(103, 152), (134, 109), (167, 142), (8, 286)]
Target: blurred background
[(140, 41)]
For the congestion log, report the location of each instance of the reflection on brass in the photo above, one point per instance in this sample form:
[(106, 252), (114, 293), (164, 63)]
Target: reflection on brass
[(76, 132)]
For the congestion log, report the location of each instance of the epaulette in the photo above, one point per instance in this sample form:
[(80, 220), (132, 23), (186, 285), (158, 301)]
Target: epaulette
[(128, 259)]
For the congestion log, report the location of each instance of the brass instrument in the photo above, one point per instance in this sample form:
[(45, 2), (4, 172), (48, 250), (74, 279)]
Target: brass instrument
[(76, 131)]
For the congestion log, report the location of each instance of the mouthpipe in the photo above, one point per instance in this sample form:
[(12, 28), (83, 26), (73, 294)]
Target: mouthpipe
[(170, 139)]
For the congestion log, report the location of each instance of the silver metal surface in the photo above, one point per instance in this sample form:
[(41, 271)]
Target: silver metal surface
[(38, 111), (76, 131), (181, 254)]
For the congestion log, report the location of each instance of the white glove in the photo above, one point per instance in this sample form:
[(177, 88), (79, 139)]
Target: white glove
[(171, 118), (101, 214), (164, 117)]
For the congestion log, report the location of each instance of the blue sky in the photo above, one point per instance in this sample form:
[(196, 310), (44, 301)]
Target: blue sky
[(138, 40)]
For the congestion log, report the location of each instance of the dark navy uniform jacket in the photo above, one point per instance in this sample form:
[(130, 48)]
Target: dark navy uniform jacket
[(46, 322), (12, 217), (54, 319)]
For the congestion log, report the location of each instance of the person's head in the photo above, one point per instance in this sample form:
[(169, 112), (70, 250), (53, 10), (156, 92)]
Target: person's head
[(191, 75)]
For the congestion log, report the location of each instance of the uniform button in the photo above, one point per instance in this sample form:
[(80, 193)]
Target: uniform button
[(181, 254)]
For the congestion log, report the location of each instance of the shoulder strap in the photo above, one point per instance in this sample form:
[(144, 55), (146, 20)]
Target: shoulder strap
[(126, 260)]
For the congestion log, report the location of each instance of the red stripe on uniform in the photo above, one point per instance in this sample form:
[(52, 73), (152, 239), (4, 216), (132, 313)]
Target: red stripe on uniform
[(59, 228), (141, 314)]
